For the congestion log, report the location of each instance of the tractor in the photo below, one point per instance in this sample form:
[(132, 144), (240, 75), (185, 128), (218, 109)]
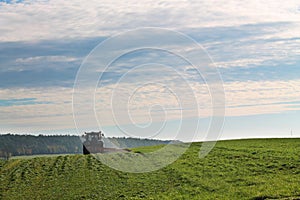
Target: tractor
[(93, 142)]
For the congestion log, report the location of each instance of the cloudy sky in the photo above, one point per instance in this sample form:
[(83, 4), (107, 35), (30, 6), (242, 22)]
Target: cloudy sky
[(255, 46)]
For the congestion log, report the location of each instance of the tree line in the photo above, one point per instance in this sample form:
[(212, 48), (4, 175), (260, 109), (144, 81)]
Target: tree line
[(17, 145)]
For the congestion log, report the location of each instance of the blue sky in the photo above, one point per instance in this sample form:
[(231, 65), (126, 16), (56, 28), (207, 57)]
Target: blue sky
[(254, 45)]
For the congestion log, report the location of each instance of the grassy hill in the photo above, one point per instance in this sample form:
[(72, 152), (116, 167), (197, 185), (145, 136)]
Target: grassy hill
[(240, 169)]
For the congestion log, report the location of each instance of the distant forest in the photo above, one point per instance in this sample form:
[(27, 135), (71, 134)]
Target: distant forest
[(17, 145)]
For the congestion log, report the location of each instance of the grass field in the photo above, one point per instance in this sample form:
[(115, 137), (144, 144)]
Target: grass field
[(240, 169)]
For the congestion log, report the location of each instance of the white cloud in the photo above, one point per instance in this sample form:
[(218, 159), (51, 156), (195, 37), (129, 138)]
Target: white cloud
[(52, 20), (265, 97), (37, 59), (55, 113), (254, 51), (242, 98), (36, 20)]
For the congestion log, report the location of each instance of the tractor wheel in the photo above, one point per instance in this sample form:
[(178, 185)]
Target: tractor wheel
[(85, 150)]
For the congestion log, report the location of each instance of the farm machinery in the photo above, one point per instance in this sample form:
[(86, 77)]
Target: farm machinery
[(93, 142)]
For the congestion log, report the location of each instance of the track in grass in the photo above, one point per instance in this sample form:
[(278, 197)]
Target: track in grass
[(240, 169)]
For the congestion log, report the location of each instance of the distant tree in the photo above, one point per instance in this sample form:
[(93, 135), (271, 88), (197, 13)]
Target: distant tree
[(12, 145)]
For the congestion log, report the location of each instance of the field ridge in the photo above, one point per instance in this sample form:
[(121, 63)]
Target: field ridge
[(237, 169)]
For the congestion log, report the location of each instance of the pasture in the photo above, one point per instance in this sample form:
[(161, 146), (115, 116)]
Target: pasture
[(238, 169)]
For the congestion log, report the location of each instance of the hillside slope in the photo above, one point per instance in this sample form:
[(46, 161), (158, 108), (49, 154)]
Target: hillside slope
[(241, 169)]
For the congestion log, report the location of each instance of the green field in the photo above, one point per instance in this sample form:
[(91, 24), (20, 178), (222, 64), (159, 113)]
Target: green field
[(240, 169)]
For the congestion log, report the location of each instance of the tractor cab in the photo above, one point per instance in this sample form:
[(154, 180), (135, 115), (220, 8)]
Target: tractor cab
[(93, 142)]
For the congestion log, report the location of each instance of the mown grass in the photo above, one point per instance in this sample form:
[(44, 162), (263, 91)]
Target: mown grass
[(241, 169)]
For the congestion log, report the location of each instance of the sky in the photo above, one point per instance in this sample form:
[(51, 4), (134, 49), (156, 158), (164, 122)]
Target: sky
[(254, 46)]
